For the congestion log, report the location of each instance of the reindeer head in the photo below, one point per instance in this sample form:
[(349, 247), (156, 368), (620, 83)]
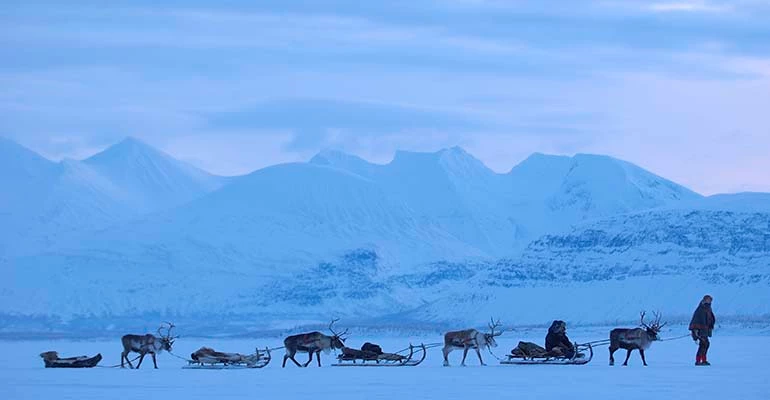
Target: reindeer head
[(654, 328), (338, 339), (490, 337), (166, 339)]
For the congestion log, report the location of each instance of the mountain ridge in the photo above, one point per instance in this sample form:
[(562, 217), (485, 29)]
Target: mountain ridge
[(433, 236)]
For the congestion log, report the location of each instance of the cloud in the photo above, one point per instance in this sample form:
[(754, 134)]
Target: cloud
[(324, 122)]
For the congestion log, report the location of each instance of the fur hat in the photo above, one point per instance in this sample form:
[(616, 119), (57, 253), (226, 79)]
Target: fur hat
[(707, 299)]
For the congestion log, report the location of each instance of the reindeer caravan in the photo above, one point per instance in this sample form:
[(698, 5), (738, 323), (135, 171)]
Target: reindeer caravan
[(558, 350)]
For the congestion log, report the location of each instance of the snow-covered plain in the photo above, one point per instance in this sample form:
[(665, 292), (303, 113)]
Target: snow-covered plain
[(737, 372)]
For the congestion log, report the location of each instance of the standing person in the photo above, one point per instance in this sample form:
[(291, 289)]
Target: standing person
[(701, 326)]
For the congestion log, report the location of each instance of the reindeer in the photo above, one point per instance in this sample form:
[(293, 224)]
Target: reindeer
[(144, 344), (470, 339), (635, 339), (312, 343)]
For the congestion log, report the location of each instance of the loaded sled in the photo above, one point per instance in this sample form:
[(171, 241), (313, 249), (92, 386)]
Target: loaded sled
[(371, 355), (52, 360), (208, 358), (527, 353)]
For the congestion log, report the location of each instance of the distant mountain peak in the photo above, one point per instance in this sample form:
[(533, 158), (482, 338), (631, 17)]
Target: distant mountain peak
[(331, 156), (345, 161), (130, 147)]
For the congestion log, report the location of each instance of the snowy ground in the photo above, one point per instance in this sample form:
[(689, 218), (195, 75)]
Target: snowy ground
[(738, 372)]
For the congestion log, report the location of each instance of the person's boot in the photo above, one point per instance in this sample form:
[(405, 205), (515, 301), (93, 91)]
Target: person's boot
[(698, 360), (703, 361)]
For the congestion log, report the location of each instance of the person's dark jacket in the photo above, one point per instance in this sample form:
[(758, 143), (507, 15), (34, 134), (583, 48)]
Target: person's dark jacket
[(554, 339), (703, 321)]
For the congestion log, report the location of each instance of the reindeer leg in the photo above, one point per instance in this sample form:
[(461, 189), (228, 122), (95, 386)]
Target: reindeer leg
[(290, 357), (318, 357), (465, 354), (141, 358), (628, 355), (309, 359), (612, 351), (155, 363), (641, 351), (122, 357), (478, 353), (446, 352)]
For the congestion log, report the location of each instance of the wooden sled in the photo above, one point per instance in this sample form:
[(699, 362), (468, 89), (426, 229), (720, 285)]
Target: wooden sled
[(409, 357), (583, 355), (52, 360), (208, 358)]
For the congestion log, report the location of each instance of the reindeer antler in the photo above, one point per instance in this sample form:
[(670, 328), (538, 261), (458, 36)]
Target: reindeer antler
[(656, 324), (642, 314), (168, 330), (339, 335), (494, 324)]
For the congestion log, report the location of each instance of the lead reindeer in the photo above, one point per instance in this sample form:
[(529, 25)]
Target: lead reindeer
[(635, 339), (147, 344), (312, 343), (470, 339)]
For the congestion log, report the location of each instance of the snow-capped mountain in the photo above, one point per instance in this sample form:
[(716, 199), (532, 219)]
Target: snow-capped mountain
[(499, 213), (43, 200), (150, 179), (427, 238)]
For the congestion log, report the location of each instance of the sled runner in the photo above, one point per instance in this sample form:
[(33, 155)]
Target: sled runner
[(373, 356), (208, 358), (52, 360), (531, 354)]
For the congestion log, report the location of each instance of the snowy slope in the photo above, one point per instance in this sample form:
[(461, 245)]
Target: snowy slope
[(553, 193), (24, 176), (279, 233), (450, 188)]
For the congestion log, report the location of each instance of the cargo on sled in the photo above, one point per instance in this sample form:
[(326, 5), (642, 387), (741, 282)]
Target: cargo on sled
[(527, 353), (208, 358), (371, 355), (52, 360)]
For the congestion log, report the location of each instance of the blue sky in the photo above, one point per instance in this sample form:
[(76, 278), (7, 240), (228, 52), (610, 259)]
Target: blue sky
[(679, 87)]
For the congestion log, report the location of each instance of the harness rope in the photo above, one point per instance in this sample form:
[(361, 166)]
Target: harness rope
[(116, 365), (674, 338), (179, 357), (493, 354), (607, 341)]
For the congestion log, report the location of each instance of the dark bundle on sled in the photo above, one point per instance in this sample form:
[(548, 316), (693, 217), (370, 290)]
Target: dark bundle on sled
[(52, 360), (529, 350), (527, 353), (372, 355)]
